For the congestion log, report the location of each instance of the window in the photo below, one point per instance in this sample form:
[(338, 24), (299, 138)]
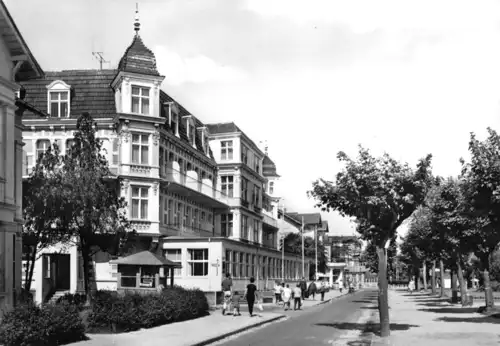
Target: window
[(271, 187), (244, 154), (140, 149), (140, 100), (253, 266), (41, 147), (116, 151), (226, 150), (244, 226), (139, 202), (174, 124), (175, 255), (242, 264), (167, 212), (248, 266), (244, 189), (194, 218), (59, 103), (128, 276), (256, 163), (227, 185), (255, 195), (197, 262), (234, 264), (203, 216), (191, 133), (227, 225), (256, 231), (177, 214), (69, 145), (187, 210), (226, 267), (197, 219)]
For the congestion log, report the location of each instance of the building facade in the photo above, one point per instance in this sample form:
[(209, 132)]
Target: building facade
[(17, 64), (157, 149), (345, 265)]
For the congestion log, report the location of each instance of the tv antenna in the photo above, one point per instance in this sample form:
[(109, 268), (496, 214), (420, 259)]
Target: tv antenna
[(99, 56)]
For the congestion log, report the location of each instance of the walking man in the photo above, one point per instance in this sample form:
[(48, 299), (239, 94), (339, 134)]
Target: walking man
[(297, 294), (303, 288)]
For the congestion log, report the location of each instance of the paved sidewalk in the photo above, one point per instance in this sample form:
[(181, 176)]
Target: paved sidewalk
[(421, 319), (200, 331)]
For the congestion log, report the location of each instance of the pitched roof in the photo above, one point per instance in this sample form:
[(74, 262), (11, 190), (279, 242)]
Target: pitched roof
[(310, 218), (269, 167), (223, 128), (138, 59), (17, 47), (90, 92), (146, 258)]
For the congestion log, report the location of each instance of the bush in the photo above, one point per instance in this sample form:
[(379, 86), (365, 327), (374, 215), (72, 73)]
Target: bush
[(134, 311), (78, 300), (49, 325)]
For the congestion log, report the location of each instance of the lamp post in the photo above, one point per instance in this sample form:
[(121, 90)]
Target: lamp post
[(283, 247)]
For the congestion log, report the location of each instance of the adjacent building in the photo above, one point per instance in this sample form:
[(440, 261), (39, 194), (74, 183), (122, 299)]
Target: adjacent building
[(17, 64)]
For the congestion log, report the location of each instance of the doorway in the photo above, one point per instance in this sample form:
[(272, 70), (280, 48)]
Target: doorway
[(62, 271)]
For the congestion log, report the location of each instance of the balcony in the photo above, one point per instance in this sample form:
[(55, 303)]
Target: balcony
[(244, 203), (141, 226), (269, 220), (200, 191), (146, 171), (188, 231), (257, 209)]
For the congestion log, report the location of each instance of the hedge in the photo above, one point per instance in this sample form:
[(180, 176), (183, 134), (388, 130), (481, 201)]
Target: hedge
[(49, 325), (114, 313)]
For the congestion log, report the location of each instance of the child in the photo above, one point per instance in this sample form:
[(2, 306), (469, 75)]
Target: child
[(297, 294), (286, 295), (236, 303)]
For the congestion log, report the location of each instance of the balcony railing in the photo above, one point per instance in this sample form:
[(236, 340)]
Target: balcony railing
[(189, 230), (140, 225), (257, 209), (184, 179), (269, 220)]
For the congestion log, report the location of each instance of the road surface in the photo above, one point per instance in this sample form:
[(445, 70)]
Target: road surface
[(320, 325)]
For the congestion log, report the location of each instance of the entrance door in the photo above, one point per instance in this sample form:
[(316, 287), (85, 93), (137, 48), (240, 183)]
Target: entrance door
[(62, 272)]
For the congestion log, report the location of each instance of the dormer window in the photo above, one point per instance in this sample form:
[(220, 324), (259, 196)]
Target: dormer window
[(58, 99), (190, 130), (173, 117), (204, 139), (140, 100)]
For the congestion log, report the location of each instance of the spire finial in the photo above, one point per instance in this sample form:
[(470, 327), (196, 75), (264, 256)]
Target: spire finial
[(137, 24)]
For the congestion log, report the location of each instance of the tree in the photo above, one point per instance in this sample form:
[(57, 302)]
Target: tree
[(293, 244), (44, 225), (381, 194), (482, 200), (369, 257), (95, 210)]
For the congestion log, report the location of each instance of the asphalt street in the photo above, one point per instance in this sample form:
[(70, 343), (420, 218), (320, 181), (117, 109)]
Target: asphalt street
[(320, 325)]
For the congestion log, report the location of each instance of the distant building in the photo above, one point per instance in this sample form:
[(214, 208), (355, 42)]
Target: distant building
[(345, 265), (17, 64)]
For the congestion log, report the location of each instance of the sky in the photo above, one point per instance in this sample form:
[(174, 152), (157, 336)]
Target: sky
[(310, 77)]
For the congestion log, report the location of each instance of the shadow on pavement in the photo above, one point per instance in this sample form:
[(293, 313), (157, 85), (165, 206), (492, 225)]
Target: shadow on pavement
[(431, 304), (363, 301), (371, 307), (435, 300), (487, 319), (451, 310), (367, 328)]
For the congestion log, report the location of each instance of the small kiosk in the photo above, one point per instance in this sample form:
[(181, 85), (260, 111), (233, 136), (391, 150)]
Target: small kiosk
[(144, 272)]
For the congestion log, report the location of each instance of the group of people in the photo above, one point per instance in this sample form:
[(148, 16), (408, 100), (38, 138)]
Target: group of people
[(284, 294), (232, 298)]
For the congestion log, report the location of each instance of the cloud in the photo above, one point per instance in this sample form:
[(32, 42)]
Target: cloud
[(194, 69)]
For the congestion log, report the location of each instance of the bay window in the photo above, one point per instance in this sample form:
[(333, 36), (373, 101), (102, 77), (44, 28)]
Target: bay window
[(140, 149), (140, 100), (139, 202), (226, 150), (227, 185)]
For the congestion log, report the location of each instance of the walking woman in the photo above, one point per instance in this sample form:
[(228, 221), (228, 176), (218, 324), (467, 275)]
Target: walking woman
[(251, 295)]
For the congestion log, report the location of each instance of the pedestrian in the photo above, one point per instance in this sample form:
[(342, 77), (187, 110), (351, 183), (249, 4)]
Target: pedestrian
[(322, 290), (251, 295), (303, 287), (312, 290), (226, 285), (277, 292), (286, 296), (236, 303), (297, 296), (411, 286)]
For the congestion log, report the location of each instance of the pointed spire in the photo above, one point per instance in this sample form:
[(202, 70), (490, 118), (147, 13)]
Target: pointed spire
[(137, 24)]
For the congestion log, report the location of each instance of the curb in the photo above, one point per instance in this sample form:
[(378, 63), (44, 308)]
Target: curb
[(237, 331)]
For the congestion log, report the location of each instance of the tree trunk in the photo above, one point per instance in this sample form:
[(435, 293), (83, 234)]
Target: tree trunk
[(433, 277), (441, 276), (424, 274), (488, 292), (383, 299), (463, 284), (30, 269), (454, 288), (86, 272)]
